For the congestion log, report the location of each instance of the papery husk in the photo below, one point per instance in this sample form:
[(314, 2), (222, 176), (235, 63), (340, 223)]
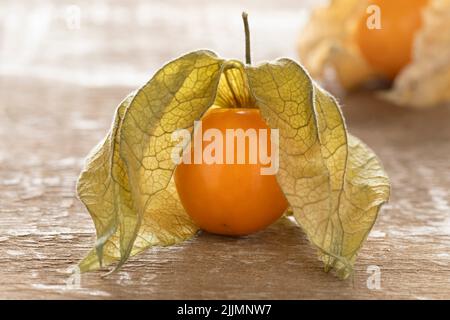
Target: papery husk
[(328, 43)]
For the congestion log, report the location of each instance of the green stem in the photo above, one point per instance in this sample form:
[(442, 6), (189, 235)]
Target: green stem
[(248, 59)]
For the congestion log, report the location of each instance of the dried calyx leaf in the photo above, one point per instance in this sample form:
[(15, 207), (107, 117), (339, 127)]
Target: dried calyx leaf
[(334, 184), (127, 183), (328, 44), (426, 80)]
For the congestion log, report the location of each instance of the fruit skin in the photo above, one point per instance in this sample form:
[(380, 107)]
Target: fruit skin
[(390, 48), (230, 199)]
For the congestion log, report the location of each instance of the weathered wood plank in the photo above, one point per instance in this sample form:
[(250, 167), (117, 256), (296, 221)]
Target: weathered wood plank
[(44, 229)]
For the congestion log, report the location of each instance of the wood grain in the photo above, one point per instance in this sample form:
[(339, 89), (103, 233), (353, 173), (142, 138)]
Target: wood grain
[(47, 127)]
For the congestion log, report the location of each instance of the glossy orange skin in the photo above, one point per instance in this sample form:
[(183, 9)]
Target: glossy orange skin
[(390, 48), (230, 199)]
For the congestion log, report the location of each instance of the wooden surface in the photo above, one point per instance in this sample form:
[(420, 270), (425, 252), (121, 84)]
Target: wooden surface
[(48, 125)]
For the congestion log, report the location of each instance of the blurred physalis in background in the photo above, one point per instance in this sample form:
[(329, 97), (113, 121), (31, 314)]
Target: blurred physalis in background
[(405, 43)]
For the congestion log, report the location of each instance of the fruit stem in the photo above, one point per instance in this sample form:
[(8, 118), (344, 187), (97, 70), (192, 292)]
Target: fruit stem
[(248, 59)]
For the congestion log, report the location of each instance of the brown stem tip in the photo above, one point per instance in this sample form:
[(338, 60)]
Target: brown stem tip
[(248, 59)]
